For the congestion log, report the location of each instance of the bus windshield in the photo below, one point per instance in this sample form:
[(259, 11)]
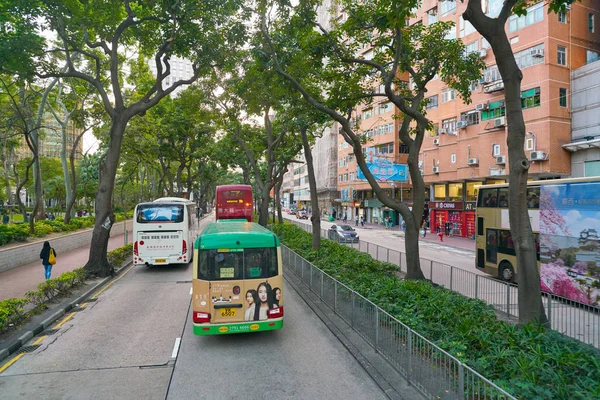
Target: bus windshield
[(225, 264), (151, 213)]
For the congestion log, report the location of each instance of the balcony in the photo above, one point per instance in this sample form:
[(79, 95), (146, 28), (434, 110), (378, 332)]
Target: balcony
[(493, 86)]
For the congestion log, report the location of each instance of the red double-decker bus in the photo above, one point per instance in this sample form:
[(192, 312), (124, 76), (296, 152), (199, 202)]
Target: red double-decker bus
[(235, 202)]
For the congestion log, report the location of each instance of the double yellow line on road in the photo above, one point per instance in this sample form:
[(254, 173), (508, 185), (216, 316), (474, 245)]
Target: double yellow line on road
[(64, 320)]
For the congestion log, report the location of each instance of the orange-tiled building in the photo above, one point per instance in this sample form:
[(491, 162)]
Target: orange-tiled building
[(468, 145)]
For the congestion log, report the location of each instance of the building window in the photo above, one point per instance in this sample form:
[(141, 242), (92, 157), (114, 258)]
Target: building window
[(530, 98), (531, 56), (351, 176), (403, 149), (448, 95), (453, 158), (492, 74), (432, 16), (562, 55), (447, 6), (592, 168), (562, 97), (534, 14), (449, 125), (432, 102), (470, 117), (367, 113), (455, 191), (466, 28), (435, 130), (495, 150), (439, 192), (562, 17), (591, 22), (471, 48), (529, 144), (472, 189), (495, 110)]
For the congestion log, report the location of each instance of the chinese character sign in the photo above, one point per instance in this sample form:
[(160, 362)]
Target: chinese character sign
[(384, 170)]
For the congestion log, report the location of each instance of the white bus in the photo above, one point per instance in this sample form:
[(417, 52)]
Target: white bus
[(164, 231)]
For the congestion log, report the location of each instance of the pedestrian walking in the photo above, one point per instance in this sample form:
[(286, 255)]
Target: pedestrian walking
[(390, 222), (362, 221), (424, 229), (345, 218), (5, 219), (356, 219), (48, 256)]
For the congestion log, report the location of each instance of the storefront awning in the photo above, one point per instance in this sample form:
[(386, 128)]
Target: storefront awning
[(582, 145)]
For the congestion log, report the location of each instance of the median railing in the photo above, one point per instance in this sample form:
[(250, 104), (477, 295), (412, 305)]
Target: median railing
[(570, 318), (433, 371)]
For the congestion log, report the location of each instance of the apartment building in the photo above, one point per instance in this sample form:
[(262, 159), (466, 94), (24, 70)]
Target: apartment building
[(585, 116), (468, 145), (181, 69)]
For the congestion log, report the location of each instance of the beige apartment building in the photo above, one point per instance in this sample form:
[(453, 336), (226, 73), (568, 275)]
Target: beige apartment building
[(467, 146)]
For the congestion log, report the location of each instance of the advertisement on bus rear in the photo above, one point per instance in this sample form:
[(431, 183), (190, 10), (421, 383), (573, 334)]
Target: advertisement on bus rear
[(569, 241)]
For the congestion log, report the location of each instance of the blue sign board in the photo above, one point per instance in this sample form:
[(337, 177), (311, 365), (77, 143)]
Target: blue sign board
[(384, 170)]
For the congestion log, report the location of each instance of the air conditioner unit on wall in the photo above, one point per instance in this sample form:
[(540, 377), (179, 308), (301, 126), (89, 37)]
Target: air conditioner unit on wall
[(420, 164), (481, 107), (501, 160), (538, 156), (482, 53), (442, 130), (499, 122), (461, 124), (537, 53), (436, 142), (436, 170), (473, 161)]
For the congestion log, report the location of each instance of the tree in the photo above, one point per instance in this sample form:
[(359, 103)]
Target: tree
[(326, 69), (493, 30), (97, 32)]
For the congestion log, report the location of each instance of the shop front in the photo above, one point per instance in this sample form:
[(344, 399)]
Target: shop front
[(456, 218)]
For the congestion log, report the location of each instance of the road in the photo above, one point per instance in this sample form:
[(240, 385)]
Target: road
[(123, 346)]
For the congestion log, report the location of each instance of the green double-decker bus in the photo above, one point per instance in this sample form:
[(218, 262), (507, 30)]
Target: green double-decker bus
[(237, 279)]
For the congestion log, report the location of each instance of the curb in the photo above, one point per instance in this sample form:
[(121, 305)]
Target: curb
[(13, 347)]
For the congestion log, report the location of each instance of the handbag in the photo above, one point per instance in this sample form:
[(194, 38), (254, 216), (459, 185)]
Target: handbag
[(52, 257)]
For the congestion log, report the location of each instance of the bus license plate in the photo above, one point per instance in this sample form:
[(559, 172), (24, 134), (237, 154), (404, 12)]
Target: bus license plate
[(160, 260), (227, 312)]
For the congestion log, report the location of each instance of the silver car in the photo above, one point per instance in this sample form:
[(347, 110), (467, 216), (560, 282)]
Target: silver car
[(342, 234)]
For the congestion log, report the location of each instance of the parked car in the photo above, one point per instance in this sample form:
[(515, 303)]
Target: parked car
[(342, 234), (302, 214)]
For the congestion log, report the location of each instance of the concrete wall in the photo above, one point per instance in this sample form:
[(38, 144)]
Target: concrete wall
[(27, 253)]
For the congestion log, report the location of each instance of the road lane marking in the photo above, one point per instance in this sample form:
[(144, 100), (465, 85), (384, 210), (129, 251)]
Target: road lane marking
[(39, 340), (11, 362), (98, 293), (176, 348), (68, 317)]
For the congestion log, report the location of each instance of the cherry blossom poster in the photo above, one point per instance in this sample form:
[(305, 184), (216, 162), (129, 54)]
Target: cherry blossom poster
[(570, 242)]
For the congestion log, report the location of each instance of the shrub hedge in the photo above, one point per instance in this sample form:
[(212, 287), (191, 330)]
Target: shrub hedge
[(12, 311), (19, 232), (529, 362)]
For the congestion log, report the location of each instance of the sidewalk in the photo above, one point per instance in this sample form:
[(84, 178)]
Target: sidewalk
[(17, 281)]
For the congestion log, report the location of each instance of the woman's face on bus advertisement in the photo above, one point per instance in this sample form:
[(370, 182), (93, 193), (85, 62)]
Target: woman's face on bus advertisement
[(278, 294), (262, 294), (249, 298)]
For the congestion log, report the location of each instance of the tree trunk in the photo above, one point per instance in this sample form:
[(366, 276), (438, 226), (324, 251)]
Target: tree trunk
[(97, 264), (315, 216), (65, 164), (531, 307)]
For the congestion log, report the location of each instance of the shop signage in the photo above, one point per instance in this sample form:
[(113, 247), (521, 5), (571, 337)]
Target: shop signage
[(470, 205), (347, 204), (446, 205)]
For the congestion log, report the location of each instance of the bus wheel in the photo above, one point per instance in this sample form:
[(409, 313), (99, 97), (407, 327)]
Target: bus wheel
[(506, 272)]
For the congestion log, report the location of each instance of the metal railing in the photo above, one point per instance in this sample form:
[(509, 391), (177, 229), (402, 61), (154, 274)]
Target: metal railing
[(433, 371), (568, 317)]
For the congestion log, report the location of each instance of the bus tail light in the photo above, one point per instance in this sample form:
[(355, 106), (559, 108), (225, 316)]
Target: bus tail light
[(275, 312), (135, 249), (184, 251), (201, 317)]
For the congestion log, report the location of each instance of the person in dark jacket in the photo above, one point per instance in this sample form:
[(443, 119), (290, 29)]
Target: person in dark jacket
[(44, 255)]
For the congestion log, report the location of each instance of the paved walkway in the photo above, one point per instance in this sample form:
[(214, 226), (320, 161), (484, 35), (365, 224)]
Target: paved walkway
[(17, 281)]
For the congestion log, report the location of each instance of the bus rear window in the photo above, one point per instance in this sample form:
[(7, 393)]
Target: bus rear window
[(260, 263), (159, 213), (234, 196)]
